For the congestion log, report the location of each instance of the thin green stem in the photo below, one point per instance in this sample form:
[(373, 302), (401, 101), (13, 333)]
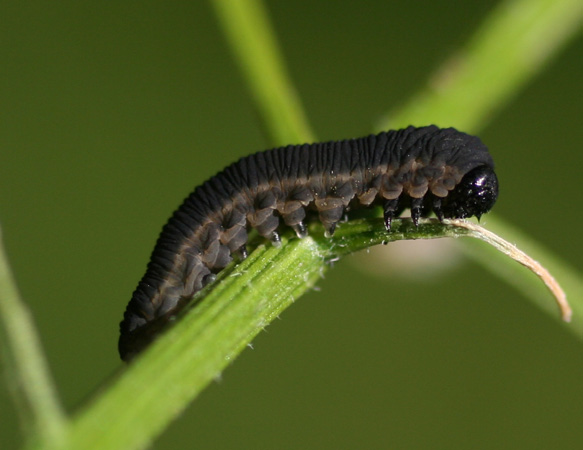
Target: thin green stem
[(26, 367), (507, 51), (252, 39), (513, 44), (523, 281)]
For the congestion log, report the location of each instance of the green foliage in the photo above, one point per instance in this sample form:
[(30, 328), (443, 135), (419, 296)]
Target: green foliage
[(513, 43)]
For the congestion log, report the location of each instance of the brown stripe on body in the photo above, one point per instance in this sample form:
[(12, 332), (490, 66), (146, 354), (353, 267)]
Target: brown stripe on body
[(414, 167)]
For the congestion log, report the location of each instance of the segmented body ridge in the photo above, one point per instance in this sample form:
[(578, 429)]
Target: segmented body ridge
[(413, 167)]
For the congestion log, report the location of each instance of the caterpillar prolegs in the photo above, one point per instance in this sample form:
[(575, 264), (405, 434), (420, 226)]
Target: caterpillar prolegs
[(425, 169)]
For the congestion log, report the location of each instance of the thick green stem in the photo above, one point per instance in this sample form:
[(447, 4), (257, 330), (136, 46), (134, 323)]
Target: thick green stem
[(510, 47), (244, 300), (160, 383)]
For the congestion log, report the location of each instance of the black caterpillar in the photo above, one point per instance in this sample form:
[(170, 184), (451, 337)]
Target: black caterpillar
[(425, 169)]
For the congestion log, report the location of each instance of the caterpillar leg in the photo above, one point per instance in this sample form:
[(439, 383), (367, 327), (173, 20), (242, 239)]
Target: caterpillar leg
[(242, 252), (390, 210), (300, 229), (437, 208), (330, 229), (275, 238), (416, 208), (208, 279)]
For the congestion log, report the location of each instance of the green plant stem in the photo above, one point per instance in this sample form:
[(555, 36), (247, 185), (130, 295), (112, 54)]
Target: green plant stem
[(252, 39), (161, 382), (26, 367), (230, 313), (507, 51)]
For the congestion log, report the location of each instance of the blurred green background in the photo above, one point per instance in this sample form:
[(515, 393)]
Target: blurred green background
[(112, 112)]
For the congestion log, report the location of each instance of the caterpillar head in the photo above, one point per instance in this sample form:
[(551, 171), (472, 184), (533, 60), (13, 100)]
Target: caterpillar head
[(474, 195)]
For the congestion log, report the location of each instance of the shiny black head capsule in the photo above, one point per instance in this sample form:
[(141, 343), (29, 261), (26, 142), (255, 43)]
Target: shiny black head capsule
[(473, 196)]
